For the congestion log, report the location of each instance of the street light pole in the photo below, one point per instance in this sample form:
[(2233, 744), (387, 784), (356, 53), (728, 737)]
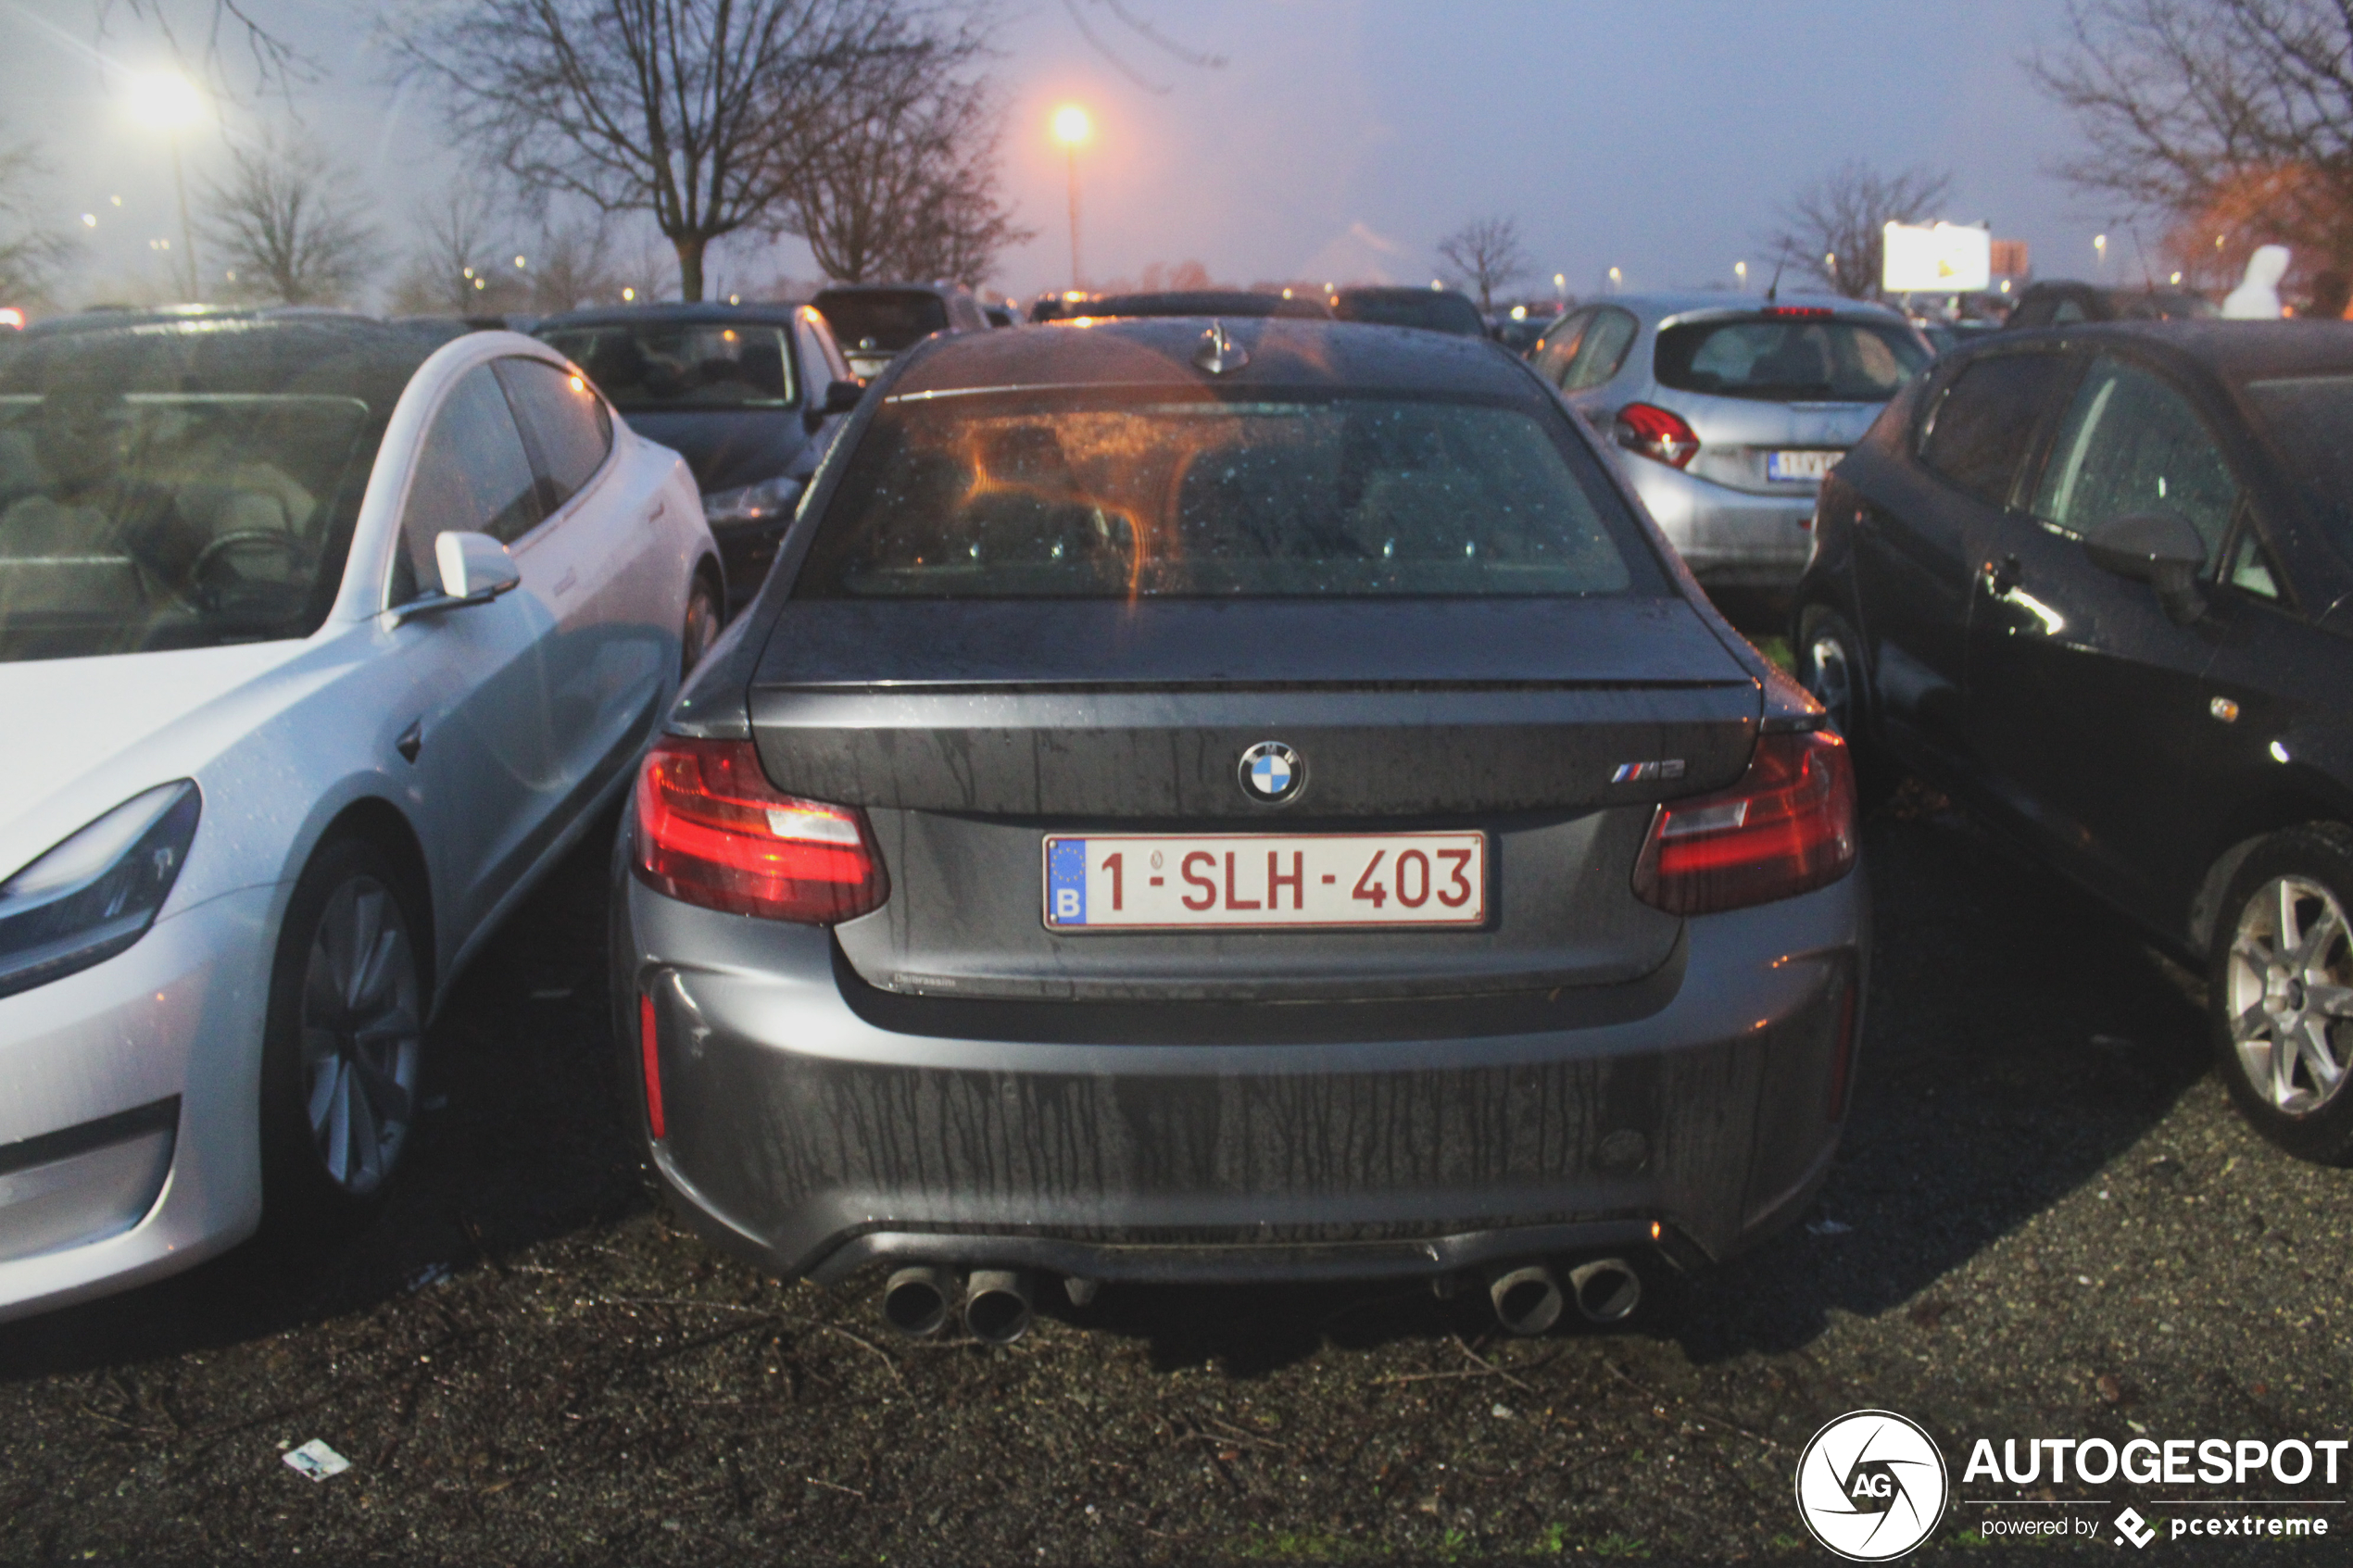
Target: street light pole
[(1072, 126), (187, 229)]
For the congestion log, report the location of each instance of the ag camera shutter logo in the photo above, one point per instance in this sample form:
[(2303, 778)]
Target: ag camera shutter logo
[(1872, 1485)]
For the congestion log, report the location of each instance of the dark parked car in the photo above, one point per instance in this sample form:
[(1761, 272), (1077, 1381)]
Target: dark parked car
[(748, 394), (1235, 800), (1437, 310), (2096, 583), (1239, 304), (2063, 304), (875, 323)]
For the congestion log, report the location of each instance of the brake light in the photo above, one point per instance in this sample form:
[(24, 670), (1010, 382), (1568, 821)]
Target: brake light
[(712, 829), (1656, 433), (1787, 827), (1799, 312)]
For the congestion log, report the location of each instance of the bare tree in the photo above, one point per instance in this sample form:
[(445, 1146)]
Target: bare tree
[(910, 189), (32, 251), (704, 115), (2215, 112), (1833, 229), (1141, 27), (1485, 255), (280, 226), (572, 266), (205, 29), (453, 267)]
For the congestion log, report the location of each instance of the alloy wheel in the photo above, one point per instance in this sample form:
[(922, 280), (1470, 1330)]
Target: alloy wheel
[(361, 1035), (2289, 993)]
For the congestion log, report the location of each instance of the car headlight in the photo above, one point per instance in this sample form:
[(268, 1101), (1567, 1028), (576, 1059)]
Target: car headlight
[(763, 502), (97, 893)]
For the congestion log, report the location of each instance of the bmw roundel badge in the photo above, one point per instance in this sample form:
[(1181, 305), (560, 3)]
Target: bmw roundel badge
[(1272, 772)]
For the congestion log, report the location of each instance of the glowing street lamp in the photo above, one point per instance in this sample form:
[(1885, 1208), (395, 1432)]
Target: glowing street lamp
[(2099, 249), (1740, 271), (168, 102), (1072, 126)]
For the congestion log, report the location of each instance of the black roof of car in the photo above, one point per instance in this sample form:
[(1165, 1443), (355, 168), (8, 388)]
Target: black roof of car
[(1205, 302), (849, 290), (1159, 351), (707, 310), (2236, 351)]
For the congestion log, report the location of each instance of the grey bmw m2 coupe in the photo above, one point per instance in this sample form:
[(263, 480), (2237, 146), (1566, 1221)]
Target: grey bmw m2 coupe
[(1247, 800)]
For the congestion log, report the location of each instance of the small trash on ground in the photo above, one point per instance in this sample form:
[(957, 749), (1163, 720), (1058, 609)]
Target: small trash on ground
[(1828, 1227), (432, 1273), (316, 1461)]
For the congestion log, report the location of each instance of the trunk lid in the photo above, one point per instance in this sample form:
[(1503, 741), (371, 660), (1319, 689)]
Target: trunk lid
[(969, 730)]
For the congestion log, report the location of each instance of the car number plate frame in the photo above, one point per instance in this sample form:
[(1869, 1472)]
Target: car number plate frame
[(1101, 884), (1801, 464)]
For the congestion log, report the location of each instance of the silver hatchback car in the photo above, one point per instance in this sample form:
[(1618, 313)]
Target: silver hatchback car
[(1738, 408)]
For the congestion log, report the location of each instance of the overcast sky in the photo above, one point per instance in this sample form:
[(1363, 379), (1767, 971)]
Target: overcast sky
[(1342, 138)]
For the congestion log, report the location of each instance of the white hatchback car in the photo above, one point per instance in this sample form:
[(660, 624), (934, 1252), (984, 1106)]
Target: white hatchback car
[(319, 639)]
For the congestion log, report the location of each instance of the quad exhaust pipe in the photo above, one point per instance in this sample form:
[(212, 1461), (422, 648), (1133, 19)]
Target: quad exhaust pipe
[(1531, 1298), (994, 1303)]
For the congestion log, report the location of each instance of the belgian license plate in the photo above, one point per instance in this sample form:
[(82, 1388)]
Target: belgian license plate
[(1800, 465), (1177, 881)]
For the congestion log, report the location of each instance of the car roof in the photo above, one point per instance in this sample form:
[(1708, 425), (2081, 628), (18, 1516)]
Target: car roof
[(2236, 351), (1205, 302), (765, 311), (1684, 301), (372, 360), (1159, 350), (938, 290)]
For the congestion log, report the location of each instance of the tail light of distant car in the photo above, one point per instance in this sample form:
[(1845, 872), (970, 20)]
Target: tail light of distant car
[(1656, 433), (712, 829), (1787, 827)]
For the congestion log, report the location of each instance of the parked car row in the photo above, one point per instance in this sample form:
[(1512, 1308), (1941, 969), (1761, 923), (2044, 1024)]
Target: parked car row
[(1192, 792)]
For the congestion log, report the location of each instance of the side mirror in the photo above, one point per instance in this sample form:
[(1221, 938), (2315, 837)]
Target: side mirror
[(476, 568), (2159, 548), (841, 396)]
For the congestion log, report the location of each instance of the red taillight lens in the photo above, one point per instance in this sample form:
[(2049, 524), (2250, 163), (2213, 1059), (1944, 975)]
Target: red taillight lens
[(1786, 828), (1656, 433), (712, 829)]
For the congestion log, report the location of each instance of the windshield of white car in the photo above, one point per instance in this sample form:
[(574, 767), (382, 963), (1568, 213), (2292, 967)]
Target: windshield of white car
[(1798, 357), (656, 366), (1093, 496), (180, 488)]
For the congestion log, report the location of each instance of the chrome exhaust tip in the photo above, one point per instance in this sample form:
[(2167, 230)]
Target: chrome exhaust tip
[(915, 1301), (1528, 1300), (996, 1306), (1607, 1290)]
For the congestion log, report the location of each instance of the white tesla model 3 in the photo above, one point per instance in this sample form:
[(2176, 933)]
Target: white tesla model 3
[(319, 639)]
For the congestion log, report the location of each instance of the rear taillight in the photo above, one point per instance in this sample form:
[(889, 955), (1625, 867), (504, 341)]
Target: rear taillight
[(1787, 827), (1656, 433), (712, 829)]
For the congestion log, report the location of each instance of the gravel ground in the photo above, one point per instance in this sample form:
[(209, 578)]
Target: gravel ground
[(2047, 1220)]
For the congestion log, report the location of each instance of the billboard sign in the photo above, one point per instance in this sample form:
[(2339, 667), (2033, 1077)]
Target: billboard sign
[(1936, 258)]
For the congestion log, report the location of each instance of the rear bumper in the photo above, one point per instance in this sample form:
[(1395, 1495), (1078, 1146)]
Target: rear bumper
[(802, 1132), (1730, 538)]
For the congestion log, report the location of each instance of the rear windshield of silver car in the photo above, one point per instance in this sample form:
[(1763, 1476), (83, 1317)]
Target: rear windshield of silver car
[(1148, 496), (1794, 357)]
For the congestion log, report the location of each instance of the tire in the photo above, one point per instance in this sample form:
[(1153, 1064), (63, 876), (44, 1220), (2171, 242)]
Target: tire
[(342, 1048), (1830, 664), (2262, 989), (701, 627)]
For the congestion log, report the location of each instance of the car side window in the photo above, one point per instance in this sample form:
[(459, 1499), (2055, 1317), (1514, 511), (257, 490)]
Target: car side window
[(1602, 350), (2132, 443), (473, 476), (2251, 570), (1980, 426), (570, 431), (816, 365), (2068, 312), (1553, 356)]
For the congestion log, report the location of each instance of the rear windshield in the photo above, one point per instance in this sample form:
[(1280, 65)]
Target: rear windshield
[(887, 322), (1023, 497), (1434, 311), (644, 366), (2308, 417), (1778, 359), (150, 500)]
